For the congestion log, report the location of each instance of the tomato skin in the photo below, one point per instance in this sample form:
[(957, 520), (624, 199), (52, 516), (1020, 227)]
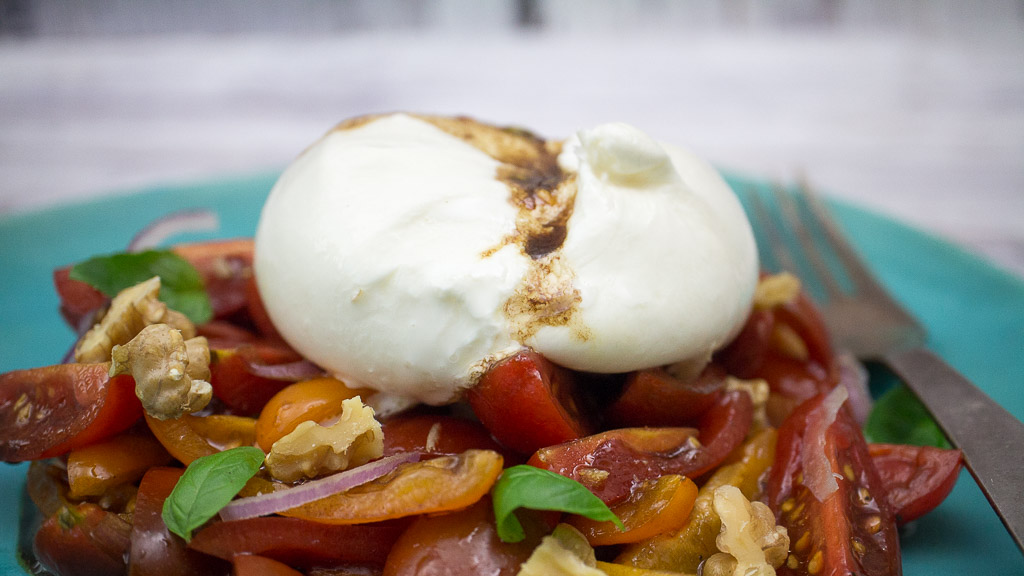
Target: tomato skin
[(250, 565), (154, 550), (77, 299), (916, 478), (120, 460), (632, 455), (83, 540), (81, 403), (658, 506), (748, 350), (655, 398), (528, 403), (300, 543), (462, 543), (853, 531)]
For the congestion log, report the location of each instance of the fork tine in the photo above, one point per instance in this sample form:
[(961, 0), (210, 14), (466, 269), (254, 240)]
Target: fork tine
[(860, 277), (789, 204), (775, 243)]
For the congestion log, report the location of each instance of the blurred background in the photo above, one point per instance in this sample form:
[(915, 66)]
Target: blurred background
[(913, 108)]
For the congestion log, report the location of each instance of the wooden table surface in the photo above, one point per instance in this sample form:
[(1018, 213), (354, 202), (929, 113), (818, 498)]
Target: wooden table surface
[(927, 130)]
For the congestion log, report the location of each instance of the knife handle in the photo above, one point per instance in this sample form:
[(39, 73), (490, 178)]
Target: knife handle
[(990, 438)]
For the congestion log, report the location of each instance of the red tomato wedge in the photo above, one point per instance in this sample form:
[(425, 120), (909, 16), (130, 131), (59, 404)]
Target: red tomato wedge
[(226, 267), (234, 381), (463, 543), (656, 398), (299, 543), (917, 478), (77, 299), (154, 550), (439, 435), (528, 403), (83, 540), (611, 464), (853, 529), (50, 411)]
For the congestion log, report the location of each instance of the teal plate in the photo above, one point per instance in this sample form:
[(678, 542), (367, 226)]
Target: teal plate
[(974, 314)]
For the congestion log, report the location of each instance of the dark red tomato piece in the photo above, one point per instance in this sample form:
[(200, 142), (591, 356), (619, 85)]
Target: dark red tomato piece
[(226, 267), (234, 381), (612, 463), (249, 565), (852, 529), (223, 335), (917, 478), (806, 320), (154, 550), (300, 543), (656, 398), (438, 434), (83, 540), (258, 312), (50, 411), (528, 403), (77, 299), (793, 382), (748, 350), (463, 543)]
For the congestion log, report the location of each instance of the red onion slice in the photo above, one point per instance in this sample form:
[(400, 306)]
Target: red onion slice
[(287, 372), (171, 225), (281, 500), (854, 376)]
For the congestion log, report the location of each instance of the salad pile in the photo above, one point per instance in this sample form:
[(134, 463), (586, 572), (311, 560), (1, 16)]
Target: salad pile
[(757, 463), (454, 348)]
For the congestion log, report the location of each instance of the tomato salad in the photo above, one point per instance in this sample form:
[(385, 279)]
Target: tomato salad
[(539, 469)]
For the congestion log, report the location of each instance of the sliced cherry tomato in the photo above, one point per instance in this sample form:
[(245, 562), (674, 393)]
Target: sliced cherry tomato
[(50, 411), (655, 507), (299, 543), (250, 565), (258, 312), (917, 478), (120, 460), (317, 400), (226, 267), (83, 540), (190, 437), (77, 299), (685, 550), (656, 398), (224, 335), (463, 543), (612, 463), (154, 550), (853, 530), (528, 403), (442, 484), (612, 569), (439, 434), (234, 381), (748, 350)]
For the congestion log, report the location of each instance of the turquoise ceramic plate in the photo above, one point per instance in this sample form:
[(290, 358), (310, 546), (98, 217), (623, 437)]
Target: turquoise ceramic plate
[(974, 314)]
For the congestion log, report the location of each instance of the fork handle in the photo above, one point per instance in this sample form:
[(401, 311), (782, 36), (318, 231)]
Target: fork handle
[(988, 435)]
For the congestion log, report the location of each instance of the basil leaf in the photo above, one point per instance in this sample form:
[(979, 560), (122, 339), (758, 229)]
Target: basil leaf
[(181, 286), (898, 417), (209, 484), (529, 487)]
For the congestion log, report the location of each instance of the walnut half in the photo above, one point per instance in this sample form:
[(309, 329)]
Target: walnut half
[(171, 373)]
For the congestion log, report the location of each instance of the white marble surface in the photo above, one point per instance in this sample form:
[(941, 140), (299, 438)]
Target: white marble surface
[(926, 129)]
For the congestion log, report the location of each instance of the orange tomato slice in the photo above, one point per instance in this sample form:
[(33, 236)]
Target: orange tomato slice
[(122, 459), (442, 484), (318, 400), (190, 437)]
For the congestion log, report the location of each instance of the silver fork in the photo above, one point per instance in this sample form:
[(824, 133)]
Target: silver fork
[(866, 321)]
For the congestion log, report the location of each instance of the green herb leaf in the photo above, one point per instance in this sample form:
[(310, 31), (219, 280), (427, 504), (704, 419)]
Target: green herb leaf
[(209, 484), (529, 487), (181, 286), (898, 417)]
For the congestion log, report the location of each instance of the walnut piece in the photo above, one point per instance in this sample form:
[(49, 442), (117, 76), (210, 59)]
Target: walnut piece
[(750, 543), (171, 373), (312, 449), (131, 310), (776, 290), (565, 552)]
